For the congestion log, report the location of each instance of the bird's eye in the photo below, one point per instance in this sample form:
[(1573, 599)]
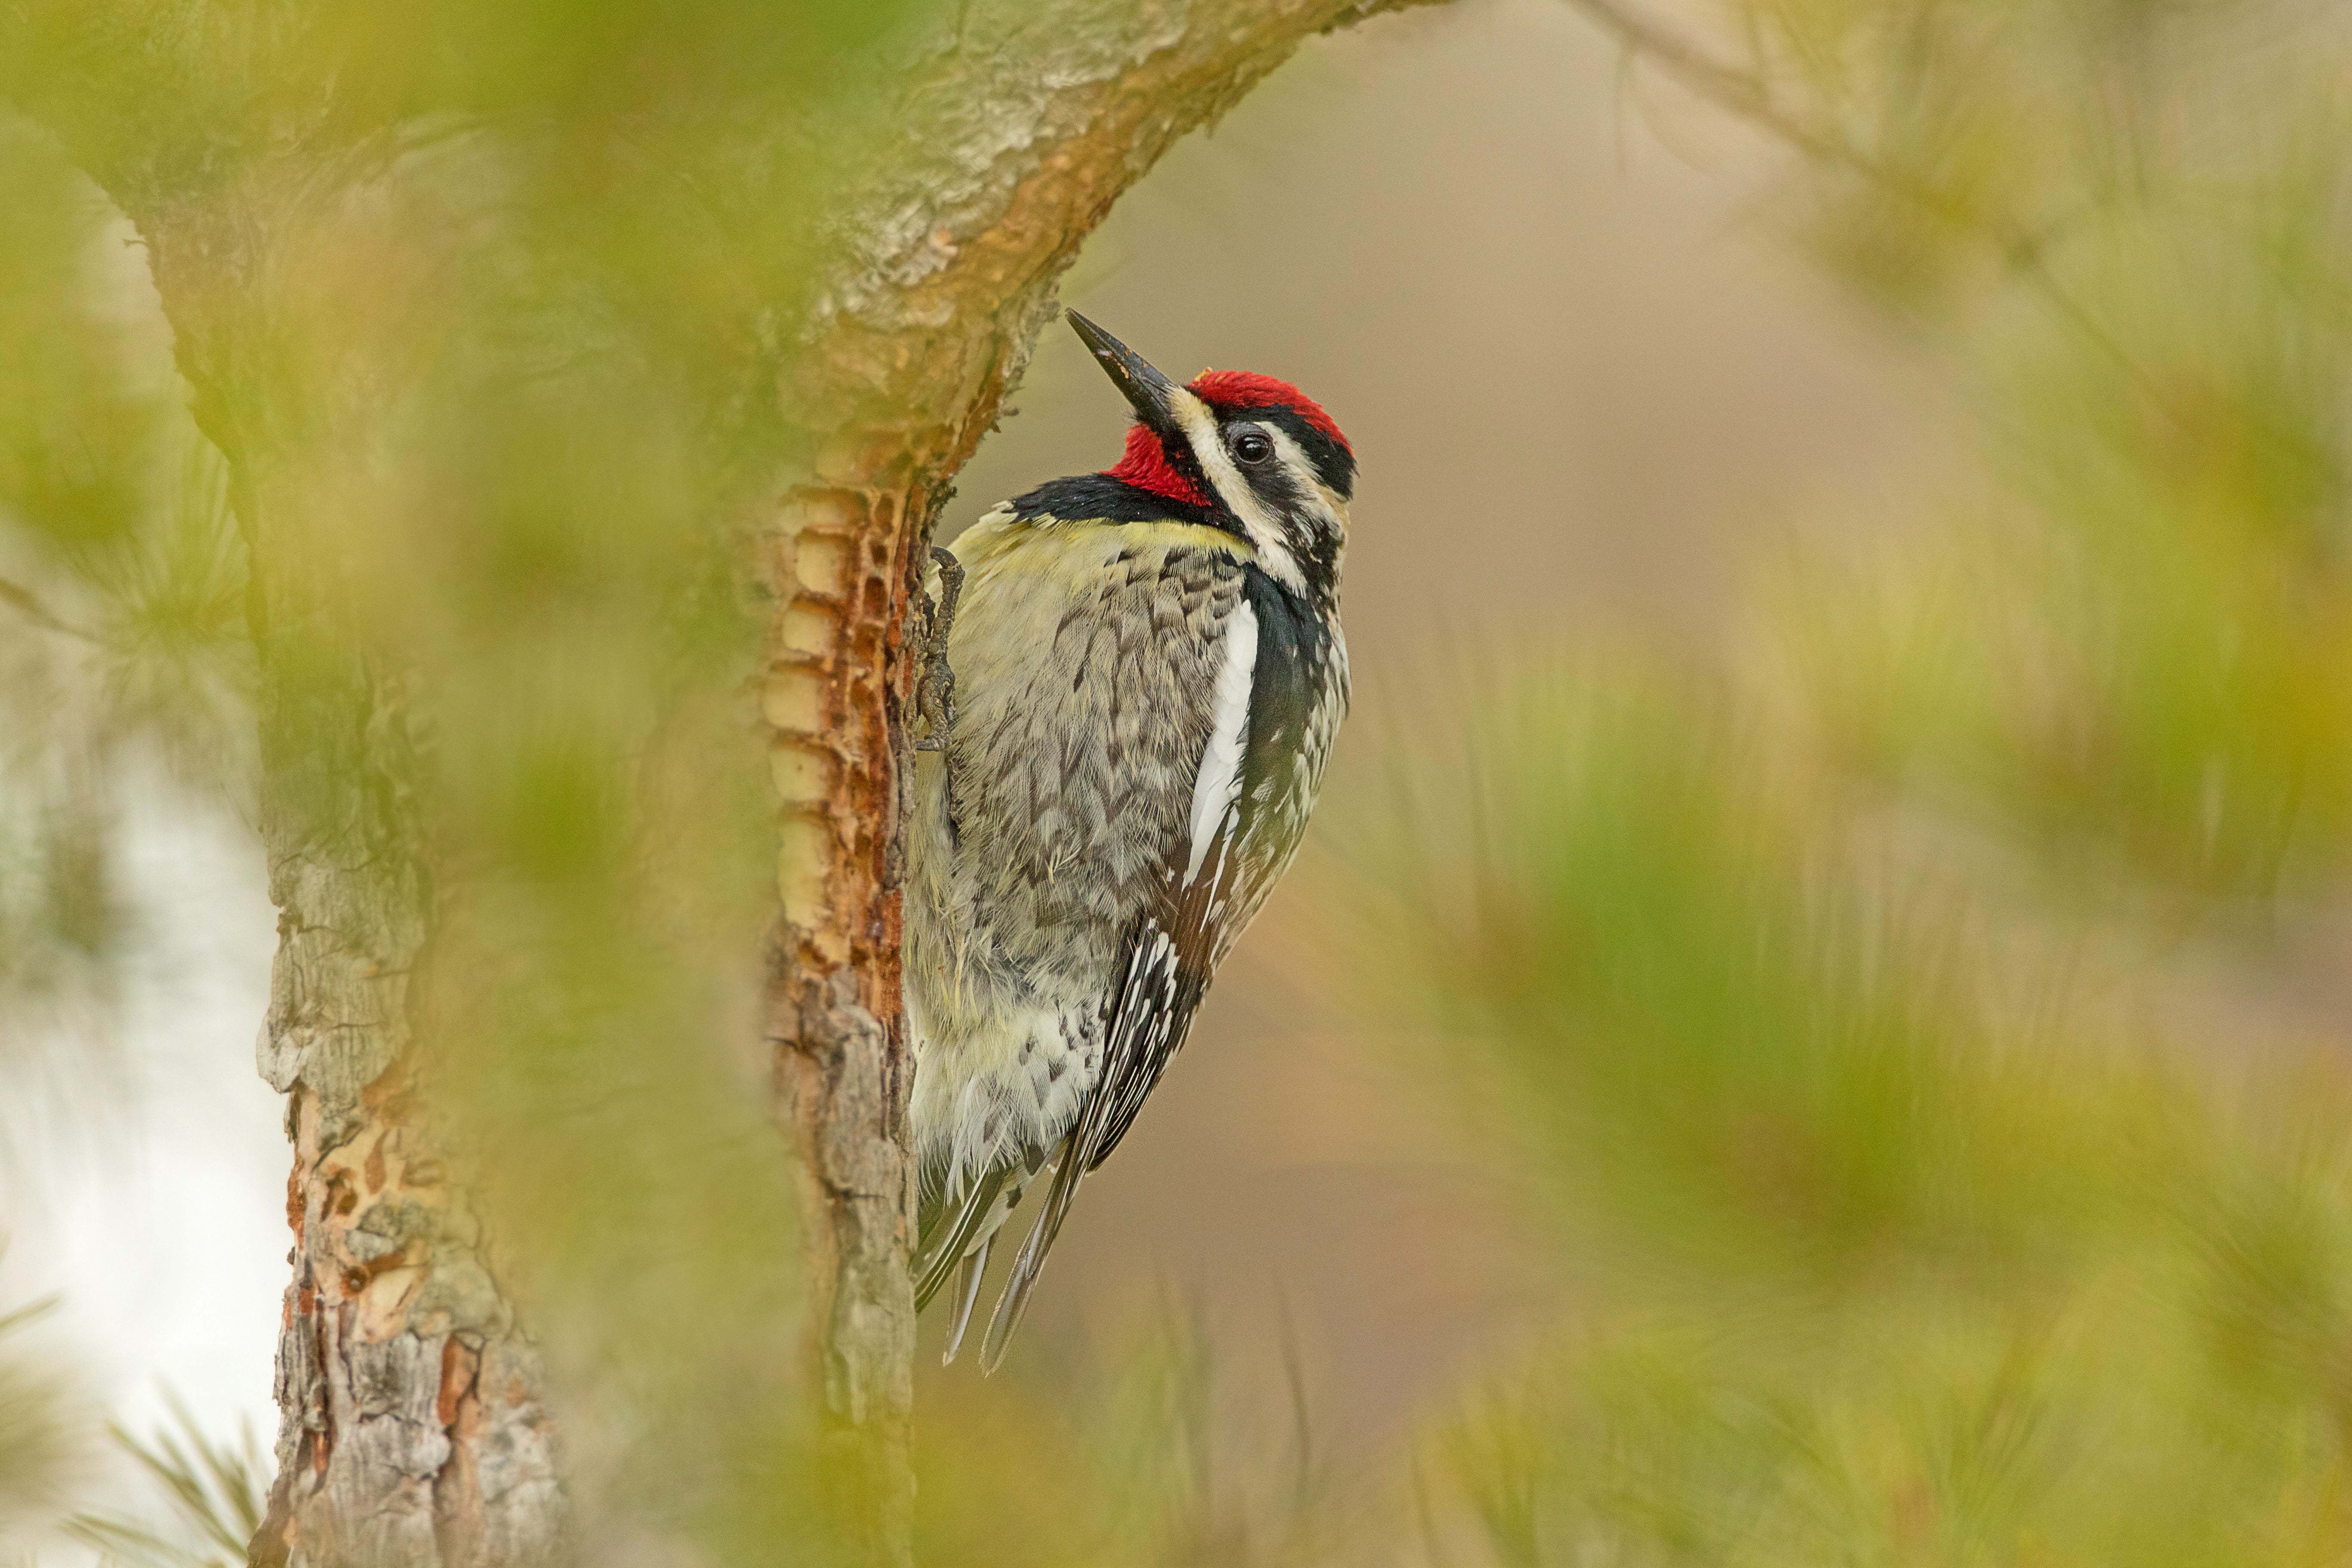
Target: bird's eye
[(1252, 446)]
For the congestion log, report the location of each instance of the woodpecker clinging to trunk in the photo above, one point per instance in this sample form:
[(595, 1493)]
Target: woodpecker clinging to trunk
[(1148, 673)]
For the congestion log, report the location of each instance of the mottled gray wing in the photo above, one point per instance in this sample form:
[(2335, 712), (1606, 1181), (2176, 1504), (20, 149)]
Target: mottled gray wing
[(1068, 779), (1240, 837), (1150, 1016)]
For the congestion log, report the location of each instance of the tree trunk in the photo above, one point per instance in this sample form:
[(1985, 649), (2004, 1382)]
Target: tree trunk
[(1011, 148), (414, 1420), (412, 1427), (413, 1424)]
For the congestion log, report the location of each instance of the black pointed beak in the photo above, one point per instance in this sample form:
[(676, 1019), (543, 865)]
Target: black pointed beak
[(1153, 394)]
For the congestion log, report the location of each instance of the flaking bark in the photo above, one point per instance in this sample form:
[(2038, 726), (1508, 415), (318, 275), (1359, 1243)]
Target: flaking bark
[(413, 1427)]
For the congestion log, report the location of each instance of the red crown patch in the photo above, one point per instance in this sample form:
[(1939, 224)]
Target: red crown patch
[(1247, 389)]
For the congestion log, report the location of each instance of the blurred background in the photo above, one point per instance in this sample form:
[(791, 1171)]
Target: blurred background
[(1812, 1025)]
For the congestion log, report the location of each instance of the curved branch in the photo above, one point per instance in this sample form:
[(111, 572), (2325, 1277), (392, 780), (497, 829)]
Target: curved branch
[(1010, 145)]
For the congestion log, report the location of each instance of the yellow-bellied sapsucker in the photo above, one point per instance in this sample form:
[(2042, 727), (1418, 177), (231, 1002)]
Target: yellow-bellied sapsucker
[(1148, 672)]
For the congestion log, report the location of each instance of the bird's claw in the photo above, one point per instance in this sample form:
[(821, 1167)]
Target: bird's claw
[(935, 703), (935, 688)]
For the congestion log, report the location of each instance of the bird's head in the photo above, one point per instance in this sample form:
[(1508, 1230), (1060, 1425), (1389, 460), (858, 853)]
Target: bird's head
[(1249, 454)]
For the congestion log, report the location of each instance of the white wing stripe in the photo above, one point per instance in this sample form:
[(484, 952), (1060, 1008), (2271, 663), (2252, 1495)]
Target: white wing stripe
[(1220, 778)]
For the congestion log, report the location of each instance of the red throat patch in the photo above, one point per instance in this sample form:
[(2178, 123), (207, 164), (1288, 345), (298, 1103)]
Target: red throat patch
[(1147, 467), (1231, 389)]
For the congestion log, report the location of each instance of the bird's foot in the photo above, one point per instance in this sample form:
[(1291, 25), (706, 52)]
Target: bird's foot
[(935, 688)]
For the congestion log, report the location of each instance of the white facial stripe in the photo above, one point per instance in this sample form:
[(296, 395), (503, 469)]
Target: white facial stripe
[(1319, 497), (1220, 778), (1200, 425)]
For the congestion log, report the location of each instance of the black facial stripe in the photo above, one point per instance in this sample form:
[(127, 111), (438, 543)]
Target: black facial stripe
[(1099, 496), (1187, 462), (1333, 462), (1284, 492)]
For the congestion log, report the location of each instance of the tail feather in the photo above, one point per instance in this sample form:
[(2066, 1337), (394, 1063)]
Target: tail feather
[(975, 1264), (948, 1240), (1069, 1169)]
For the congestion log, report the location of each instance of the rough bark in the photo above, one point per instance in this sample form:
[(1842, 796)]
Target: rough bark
[(1013, 140), (413, 1421), (413, 1424)]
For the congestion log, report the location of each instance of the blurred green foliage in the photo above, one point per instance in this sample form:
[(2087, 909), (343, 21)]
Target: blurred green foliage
[(40, 1444), (1868, 1027), (1885, 1235), (2141, 216), (215, 1492), (1161, 1443)]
